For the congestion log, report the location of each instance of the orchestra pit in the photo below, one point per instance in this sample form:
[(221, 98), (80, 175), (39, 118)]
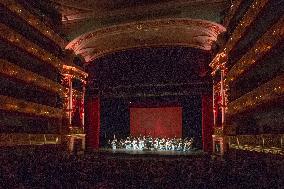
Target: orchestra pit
[(142, 94)]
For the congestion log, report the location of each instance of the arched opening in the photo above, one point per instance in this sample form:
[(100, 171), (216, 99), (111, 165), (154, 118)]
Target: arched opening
[(147, 61)]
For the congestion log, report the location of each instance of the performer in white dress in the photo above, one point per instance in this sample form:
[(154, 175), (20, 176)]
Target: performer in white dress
[(127, 143), (113, 144), (134, 144), (141, 143)]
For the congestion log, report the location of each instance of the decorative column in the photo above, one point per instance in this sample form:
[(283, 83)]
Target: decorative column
[(73, 130), (219, 102), (69, 104), (70, 98), (82, 108)]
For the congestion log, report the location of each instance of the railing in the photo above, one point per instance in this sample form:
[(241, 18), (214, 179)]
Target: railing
[(266, 143), (9, 69), (18, 40), (267, 92), (233, 9), (75, 130), (28, 139), (32, 20), (16, 105)]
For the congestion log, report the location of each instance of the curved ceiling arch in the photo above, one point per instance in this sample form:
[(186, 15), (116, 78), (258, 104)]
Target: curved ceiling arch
[(194, 33)]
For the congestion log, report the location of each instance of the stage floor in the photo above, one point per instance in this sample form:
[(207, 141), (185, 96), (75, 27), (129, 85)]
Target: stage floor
[(152, 152)]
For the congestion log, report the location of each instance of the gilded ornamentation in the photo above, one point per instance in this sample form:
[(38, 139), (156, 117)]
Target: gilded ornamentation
[(233, 9), (16, 105), (243, 25), (267, 92), (263, 46), (184, 32), (28, 139), (12, 70), (259, 143), (21, 42), (32, 20)]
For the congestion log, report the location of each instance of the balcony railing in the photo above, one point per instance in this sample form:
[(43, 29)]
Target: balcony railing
[(266, 143), (28, 139), (75, 130)]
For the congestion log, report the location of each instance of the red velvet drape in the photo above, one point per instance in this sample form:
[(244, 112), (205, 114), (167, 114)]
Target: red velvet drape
[(156, 121), (207, 123), (92, 122)]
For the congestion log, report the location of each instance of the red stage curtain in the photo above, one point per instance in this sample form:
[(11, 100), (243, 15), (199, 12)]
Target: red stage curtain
[(207, 123), (92, 122), (156, 122)]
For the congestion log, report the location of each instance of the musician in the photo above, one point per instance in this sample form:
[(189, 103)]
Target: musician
[(167, 144), (179, 145), (162, 144), (149, 142), (156, 143), (185, 145), (134, 144), (113, 143), (127, 143), (141, 143)]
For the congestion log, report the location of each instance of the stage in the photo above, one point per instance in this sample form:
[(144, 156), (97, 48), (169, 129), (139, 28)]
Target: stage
[(195, 152)]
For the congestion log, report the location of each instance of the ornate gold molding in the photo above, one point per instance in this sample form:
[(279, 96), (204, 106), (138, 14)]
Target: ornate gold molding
[(267, 92), (28, 139), (266, 143), (241, 28), (32, 20), (11, 70), (19, 41), (246, 21), (218, 131), (76, 11), (233, 9), (22, 106), (75, 130), (263, 46), (77, 94), (224, 130), (182, 32), (74, 72)]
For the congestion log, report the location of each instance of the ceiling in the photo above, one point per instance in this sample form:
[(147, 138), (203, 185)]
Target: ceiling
[(194, 33), (82, 16)]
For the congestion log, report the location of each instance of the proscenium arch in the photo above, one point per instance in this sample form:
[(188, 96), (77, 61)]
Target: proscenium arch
[(163, 32)]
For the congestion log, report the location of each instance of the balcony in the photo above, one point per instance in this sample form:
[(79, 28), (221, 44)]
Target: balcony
[(266, 143), (28, 139)]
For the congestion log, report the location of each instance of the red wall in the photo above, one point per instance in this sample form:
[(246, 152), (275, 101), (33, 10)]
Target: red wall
[(157, 122), (92, 122)]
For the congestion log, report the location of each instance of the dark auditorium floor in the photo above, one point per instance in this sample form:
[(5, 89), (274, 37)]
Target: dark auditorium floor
[(45, 168)]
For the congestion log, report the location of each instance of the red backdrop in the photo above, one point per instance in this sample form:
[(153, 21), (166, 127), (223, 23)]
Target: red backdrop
[(157, 122)]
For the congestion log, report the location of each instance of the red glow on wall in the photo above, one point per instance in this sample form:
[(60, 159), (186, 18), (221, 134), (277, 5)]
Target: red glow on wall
[(156, 122), (93, 123)]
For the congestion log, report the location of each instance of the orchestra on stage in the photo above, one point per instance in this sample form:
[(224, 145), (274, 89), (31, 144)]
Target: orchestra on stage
[(152, 143)]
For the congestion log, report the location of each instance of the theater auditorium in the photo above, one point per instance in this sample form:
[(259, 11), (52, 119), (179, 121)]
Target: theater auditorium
[(141, 94)]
